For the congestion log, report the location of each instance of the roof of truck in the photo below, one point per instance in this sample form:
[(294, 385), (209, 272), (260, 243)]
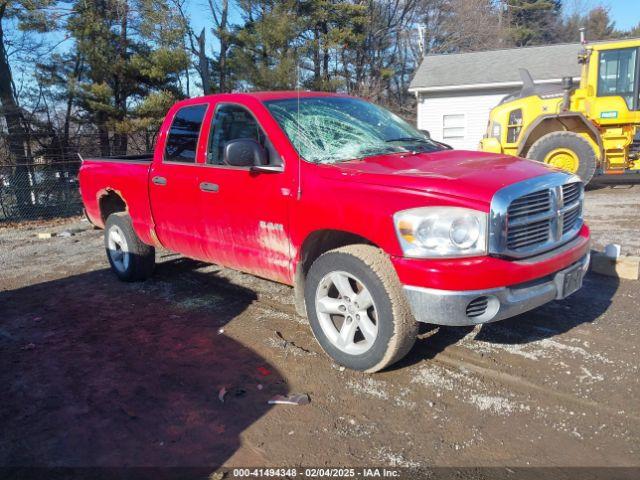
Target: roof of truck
[(259, 96), (272, 95), (279, 95)]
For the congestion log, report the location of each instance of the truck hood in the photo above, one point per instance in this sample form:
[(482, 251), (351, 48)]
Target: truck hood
[(454, 173)]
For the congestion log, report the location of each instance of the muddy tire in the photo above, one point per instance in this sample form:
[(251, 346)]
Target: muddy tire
[(130, 259), (568, 144), (357, 310)]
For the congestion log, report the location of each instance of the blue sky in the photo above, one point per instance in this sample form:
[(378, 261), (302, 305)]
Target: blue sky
[(626, 13)]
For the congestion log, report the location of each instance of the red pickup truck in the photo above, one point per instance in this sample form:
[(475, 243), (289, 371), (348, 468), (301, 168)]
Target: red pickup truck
[(376, 226)]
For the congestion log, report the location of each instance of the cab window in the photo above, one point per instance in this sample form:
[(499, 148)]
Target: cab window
[(617, 74), (232, 122), (182, 140)]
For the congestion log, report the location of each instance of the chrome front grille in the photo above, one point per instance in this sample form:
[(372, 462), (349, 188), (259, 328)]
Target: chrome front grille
[(528, 234), (570, 219), (571, 192), (530, 204), (536, 215)]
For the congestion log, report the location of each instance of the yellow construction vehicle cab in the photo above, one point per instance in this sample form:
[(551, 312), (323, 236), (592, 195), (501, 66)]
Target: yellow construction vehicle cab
[(590, 130)]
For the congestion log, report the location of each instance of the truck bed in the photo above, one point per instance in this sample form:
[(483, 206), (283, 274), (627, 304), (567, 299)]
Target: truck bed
[(125, 176)]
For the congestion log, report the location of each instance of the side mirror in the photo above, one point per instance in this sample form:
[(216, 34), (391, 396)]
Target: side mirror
[(426, 133), (244, 152)]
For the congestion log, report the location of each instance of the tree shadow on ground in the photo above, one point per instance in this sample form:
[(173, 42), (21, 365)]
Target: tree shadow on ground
[(103, 373)]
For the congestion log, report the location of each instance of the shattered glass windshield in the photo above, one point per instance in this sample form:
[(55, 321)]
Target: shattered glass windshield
[(335, 129)]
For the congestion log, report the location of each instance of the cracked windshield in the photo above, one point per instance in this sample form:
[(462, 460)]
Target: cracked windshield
[(335, 129)]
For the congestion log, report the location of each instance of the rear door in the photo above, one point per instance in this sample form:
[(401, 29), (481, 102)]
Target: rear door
[(244, 214), (174, 183)]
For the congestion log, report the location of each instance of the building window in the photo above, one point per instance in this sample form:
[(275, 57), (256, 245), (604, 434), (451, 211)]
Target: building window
[(453, 126)]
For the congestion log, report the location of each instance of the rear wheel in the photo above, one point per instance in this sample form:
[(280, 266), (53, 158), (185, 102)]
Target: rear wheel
[(130, 259), (357, 310), (567, 151)]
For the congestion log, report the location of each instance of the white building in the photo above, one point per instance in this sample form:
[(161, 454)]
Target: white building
[(456, 92)]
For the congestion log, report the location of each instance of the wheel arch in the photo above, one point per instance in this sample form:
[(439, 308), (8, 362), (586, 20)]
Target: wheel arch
[(110, 201), (314, 245), (568, 122)]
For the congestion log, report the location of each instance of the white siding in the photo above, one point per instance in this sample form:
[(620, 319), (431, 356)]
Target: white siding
[(475, 106)]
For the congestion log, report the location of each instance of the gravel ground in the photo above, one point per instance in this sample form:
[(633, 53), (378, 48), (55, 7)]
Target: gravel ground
[(99, 372)]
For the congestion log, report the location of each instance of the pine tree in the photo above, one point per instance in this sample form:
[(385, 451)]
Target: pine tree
[(266, 51), (533, 22), (132, 54)]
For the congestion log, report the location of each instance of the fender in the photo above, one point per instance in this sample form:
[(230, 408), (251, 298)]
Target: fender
[(560, 117)]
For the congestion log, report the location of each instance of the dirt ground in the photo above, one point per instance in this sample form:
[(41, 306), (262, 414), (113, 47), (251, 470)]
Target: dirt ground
[(99, 372)]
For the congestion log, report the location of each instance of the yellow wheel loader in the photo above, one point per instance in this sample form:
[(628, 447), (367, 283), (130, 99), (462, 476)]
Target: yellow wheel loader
[(592, 130)]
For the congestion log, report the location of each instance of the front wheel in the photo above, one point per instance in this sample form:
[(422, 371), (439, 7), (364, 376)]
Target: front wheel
[(130, 259), (357, 310)]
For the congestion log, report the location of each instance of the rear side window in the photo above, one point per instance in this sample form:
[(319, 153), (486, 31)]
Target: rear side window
[(182, 140)]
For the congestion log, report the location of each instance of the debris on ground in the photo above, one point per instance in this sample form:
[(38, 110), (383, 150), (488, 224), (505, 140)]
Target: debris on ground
[(292, 399), (264, 371), (289, 346), (239, 392), (222, 393), (128, 412), (45, 235), (66, 234), (216, 476), (220, 331), (28, 346), (260, 386)]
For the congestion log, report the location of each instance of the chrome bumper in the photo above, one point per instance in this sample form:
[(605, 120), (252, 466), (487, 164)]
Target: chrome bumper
[(445, 307)]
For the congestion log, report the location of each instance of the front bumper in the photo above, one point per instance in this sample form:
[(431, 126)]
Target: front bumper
[(459, 308)]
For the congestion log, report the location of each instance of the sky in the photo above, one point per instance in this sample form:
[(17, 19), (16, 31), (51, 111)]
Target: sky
[(626, 13)]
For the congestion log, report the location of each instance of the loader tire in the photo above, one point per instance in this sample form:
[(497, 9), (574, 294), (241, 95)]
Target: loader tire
[(357, 286), (130, 259), (568, 151)]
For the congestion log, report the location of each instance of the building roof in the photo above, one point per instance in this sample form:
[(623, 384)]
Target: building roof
[(461, 71)]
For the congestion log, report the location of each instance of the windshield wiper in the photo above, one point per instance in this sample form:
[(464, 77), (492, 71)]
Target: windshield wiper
[(408, 139)]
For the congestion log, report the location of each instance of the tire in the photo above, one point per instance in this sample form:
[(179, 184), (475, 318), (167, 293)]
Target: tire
[(390, 327), (130, 259), (587, 161)]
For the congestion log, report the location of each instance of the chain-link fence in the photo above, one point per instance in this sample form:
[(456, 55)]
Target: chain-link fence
[(41, 180), (32, 191)]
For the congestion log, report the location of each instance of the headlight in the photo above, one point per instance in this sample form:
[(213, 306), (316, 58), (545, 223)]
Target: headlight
[(431, 232), (496, 130)]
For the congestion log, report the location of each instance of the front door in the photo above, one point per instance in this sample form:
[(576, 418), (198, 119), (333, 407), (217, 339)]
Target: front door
[(244, 213), (174, 184), (618, 76)]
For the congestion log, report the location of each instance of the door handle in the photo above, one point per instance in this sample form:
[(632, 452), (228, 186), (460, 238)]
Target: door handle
[(159, 181), (209, 187)]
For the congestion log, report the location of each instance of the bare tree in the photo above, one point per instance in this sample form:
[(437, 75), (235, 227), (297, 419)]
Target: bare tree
[(220, 13)]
